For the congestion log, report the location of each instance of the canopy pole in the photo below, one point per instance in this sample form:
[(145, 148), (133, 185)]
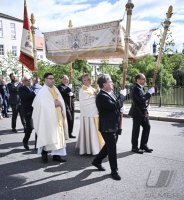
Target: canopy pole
[(129, 6), (166, 25), (70, 25)]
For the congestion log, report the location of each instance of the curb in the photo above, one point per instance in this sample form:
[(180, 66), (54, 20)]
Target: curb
[(166, 119)]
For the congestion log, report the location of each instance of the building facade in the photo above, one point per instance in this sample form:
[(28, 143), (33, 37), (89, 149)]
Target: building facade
[(10, 35), (10, 42)]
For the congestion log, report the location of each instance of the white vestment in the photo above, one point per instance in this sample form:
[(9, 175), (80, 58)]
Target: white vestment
[(89, 140), (50, 122)]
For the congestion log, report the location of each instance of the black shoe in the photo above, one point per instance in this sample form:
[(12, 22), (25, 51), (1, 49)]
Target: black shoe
[(137, 150), (58, 159), (146, 149), (98, 166), (26, 146), (44, 156), (71, 136), (116, 176), (14, 130)]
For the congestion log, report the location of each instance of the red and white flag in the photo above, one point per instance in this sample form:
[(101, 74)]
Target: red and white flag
[(26, 49)]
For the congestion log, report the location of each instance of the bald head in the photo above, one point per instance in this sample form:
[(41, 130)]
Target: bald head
[(26, 80)]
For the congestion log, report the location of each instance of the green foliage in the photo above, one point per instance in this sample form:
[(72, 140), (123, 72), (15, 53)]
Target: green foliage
[(177, 63), (78, 68), (106, 68)]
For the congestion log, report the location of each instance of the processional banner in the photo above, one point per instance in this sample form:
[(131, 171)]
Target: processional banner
[(99, 41)]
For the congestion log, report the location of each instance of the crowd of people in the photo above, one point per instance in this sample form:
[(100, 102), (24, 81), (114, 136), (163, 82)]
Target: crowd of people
[(49, 110)]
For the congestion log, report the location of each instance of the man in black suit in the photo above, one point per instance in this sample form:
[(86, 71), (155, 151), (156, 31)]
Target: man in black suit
[(109, 108), (27, 96), (139, 113), (68, 96), (15, 101)]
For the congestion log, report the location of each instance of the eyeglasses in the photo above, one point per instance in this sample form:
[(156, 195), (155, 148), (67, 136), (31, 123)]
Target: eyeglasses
[(50, 78)]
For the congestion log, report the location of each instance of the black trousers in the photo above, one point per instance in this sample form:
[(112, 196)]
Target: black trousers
[(137, 122), (70, 120), (109, 149), (29, 126), (16, 109)]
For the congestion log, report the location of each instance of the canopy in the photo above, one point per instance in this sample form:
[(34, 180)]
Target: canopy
[(98, 41)]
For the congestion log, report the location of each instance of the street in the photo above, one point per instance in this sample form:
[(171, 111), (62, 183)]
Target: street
[(157, 175)]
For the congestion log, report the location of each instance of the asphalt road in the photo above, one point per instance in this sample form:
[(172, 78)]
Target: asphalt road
[(158, 175)]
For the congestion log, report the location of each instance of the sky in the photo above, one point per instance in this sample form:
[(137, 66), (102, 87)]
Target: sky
[(54, 15)]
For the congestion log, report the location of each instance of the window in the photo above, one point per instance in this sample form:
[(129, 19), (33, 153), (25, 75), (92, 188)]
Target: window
[(13, 31), (1, 49), (1, 29), (14, 50)]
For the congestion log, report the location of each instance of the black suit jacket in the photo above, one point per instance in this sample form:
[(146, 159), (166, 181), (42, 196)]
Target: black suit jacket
[(65, 90), (13, 89), (27, 96), (109, 111), (139, 100)]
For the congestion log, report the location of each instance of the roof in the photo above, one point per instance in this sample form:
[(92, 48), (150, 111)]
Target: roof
[(39, 42), (10, 17)]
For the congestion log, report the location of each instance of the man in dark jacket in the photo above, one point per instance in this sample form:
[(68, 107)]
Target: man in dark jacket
[(68, 96), (139, 113), (109, 108), (5, 97), (15, 102), (27, 96)]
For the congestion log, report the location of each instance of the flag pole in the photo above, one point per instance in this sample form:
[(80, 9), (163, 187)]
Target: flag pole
[(166, 25), (33, 28), (129, 6)]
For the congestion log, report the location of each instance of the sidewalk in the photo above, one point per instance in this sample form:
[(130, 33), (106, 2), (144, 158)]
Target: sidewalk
[(169, 114)]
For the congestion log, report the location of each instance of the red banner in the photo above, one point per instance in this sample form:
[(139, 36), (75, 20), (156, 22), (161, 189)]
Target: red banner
[(26, 49)]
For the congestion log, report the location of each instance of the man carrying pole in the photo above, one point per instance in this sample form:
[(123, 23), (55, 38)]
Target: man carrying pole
[(138, 110)]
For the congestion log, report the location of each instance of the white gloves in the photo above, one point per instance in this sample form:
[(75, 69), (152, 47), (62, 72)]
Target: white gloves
[(122, 110), (151, 90), (70, 86), (123, 92), (70, 94)]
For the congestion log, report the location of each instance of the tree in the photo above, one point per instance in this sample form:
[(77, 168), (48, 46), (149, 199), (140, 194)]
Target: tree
[(10, 64), (177, 63)]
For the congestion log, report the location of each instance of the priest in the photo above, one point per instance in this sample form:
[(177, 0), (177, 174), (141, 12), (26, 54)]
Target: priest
[(50, 122)]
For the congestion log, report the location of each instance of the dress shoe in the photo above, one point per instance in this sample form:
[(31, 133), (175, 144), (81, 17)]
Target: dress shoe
[(98, 166), (26, 146), (14, 130), (137, 150), (71, 136), (116, 176), (58, 159), (146, 149), (44, 156)]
